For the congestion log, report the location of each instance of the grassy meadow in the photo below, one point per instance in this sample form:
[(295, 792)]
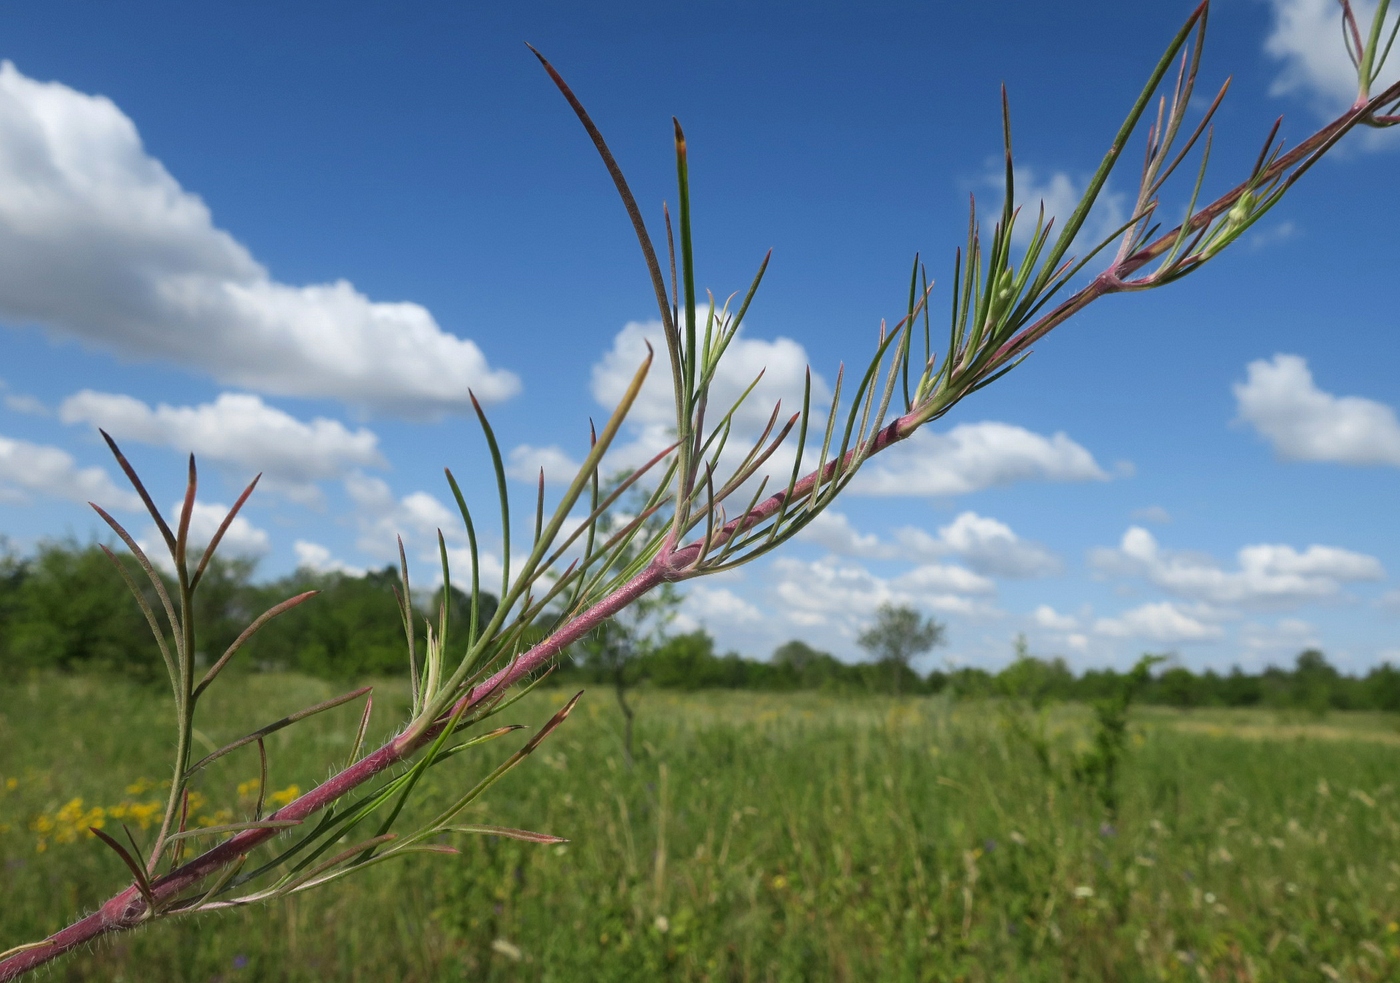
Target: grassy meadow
[(758, 837)]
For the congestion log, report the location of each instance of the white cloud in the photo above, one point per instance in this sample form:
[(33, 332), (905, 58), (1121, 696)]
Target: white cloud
[(974, 456), (1303, 423), (913, 543), (827, 591), (28, 405), (236, 429), (990, 547), (943, 578), (524, 464), (1047, 617), (833, 530), (1268, 574), (317, 558), (1307, 39), (1281, 640), (459, 561), (782, 361), (99, 242), (842, 596), (242, 539), (382, 518), (1163, 622), (706, 605), (49, 472), (1153, 513), (986, 545), (651, 424), (1271, 235), (1059, 194)]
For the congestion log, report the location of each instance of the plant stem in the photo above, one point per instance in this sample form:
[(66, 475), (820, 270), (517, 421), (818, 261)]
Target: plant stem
[(128, 909)]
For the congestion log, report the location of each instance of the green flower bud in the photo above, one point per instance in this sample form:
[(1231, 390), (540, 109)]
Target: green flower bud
[(1239, 214), (1004, 284)]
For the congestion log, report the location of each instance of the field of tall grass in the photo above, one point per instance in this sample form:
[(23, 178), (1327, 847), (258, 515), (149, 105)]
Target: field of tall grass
[(758, 837)]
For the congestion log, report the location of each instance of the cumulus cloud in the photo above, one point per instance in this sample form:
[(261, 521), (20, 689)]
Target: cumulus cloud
[(99, 242), (1303, 423), (974, 456), (833, 530), (525, 462), (706, 605), (942, 577), (986, 545), (651, 425), (382, 517), (1059, 194), (37, 469), (1271, 235), (1268, 574), (968, 458), (237, 429), (990, 547), (841, 595), (782, 361), (1282, 640), (1307, 39), (241, 540), (317, 558), (1047, 617), (23, 403), (1162, 622)]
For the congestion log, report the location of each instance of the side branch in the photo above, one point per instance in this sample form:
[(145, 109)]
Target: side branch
[(1301, 157)]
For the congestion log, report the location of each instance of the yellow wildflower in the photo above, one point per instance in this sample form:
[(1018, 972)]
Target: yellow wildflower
[(285, 795)]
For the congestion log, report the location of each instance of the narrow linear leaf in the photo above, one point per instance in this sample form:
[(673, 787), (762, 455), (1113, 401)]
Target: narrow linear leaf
[(272, 728), (509, 833), (234, 828)]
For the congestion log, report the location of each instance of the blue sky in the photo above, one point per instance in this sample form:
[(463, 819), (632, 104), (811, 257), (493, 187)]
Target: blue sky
[(288, 237)]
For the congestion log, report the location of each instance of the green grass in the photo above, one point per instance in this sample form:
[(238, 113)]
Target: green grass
[(764, 838)]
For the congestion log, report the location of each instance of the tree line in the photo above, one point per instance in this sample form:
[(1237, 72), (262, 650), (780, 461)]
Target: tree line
[(64, 607)]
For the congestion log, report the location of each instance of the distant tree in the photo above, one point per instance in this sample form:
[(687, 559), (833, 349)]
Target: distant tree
[(898, 635), (1383, 687), (1098, 768), (797, 656), (1025, 686), (1314, 682), (804, 667), (351, 630), (1179, 687), (227, 601), (1033, 680), (614, 651), (1239, 689), (459, 613), (62, 613), (13, 571)]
